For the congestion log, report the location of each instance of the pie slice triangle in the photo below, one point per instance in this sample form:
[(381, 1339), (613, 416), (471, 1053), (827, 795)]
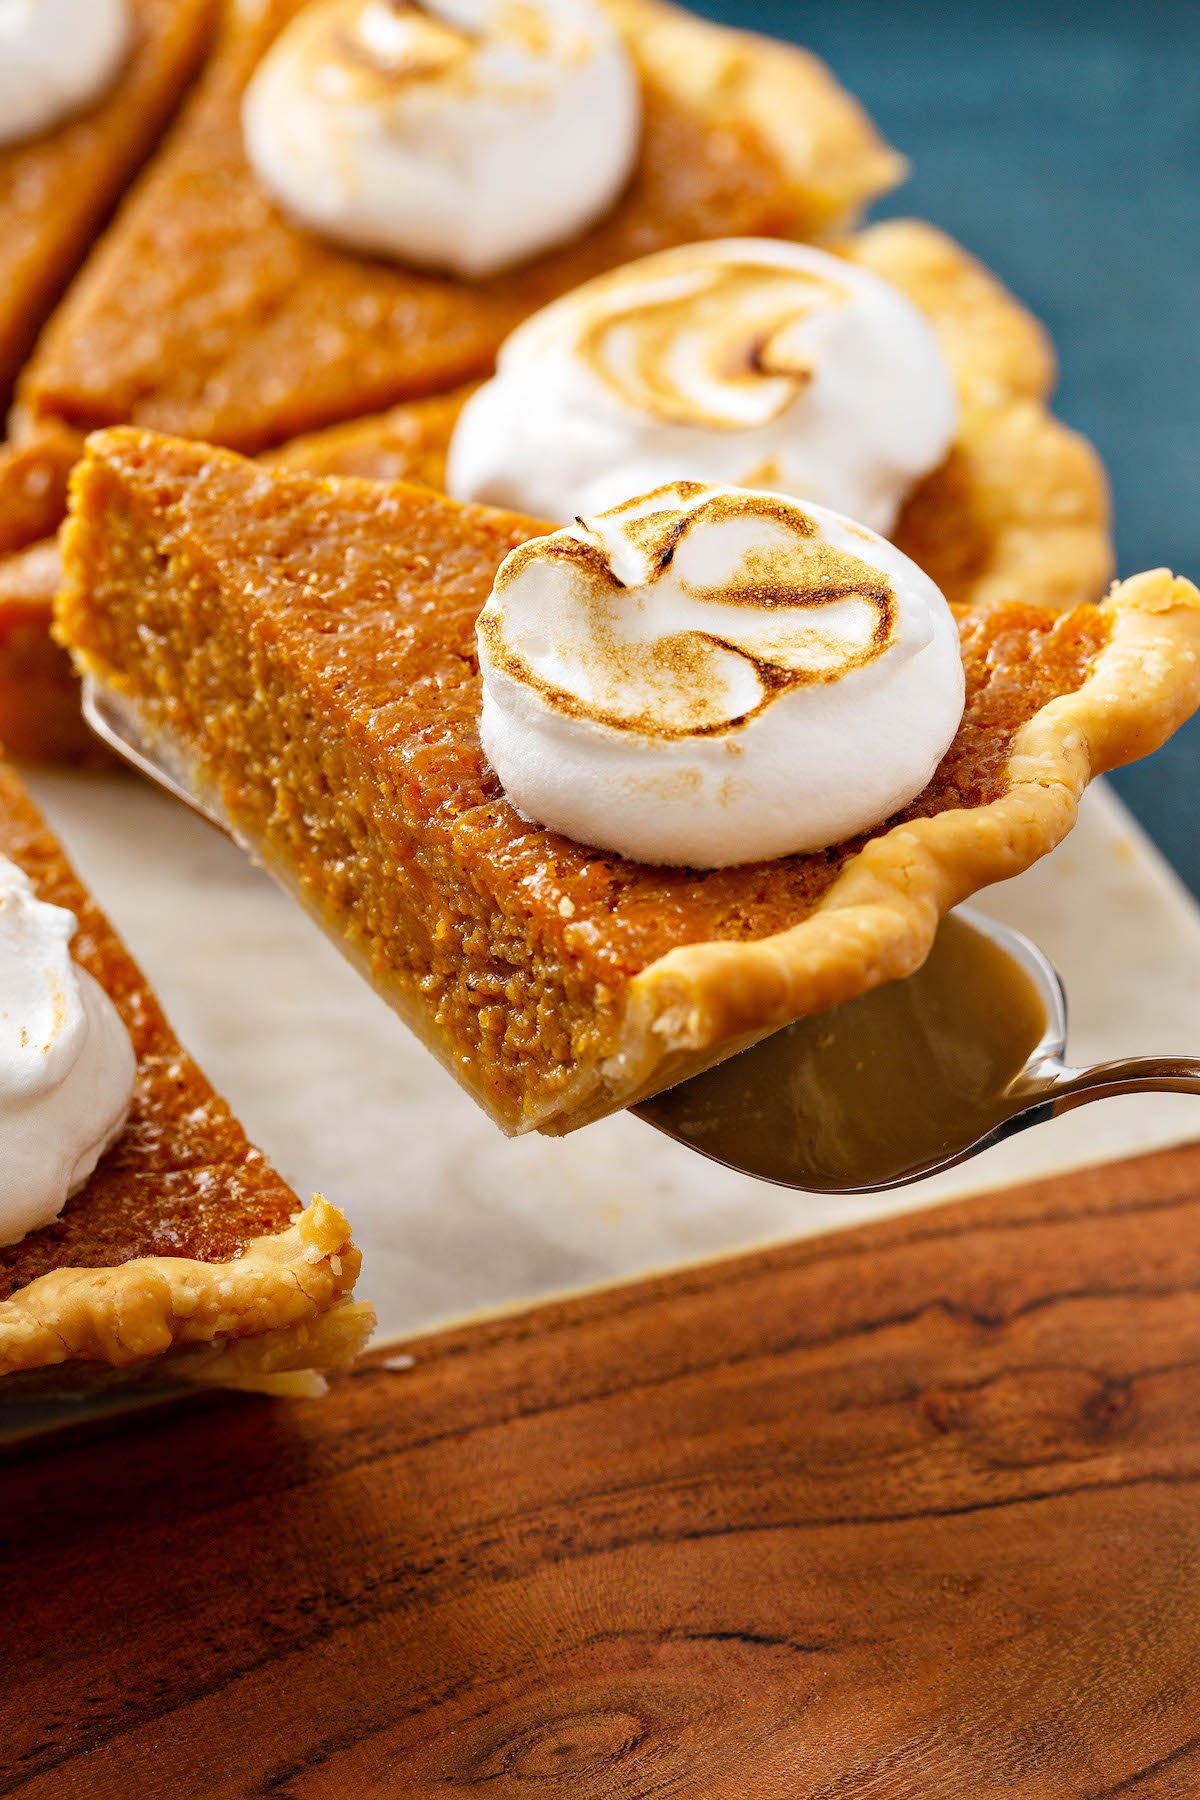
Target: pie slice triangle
[(185, 1256), (57, 189), (301, 652)]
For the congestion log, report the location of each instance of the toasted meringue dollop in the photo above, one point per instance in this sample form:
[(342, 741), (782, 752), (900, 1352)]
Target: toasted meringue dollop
[(56, 57), (708, 675), (745, 361), (66, 1062), (461, 135)]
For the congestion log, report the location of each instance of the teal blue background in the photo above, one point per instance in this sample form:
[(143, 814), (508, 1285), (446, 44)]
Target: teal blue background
[(1061, 143)]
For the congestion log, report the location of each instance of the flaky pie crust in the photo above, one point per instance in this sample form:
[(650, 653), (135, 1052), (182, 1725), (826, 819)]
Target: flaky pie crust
[(821, 135), (282, 1306)]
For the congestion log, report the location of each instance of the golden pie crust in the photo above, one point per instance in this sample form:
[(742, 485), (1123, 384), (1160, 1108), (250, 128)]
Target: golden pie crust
[(301, 652), (185, 1256), (57, 188), (270, 1319)]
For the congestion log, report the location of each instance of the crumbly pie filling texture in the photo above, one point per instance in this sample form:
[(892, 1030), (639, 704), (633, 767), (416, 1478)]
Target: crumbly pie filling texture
[(303, 651), (184, 1255)]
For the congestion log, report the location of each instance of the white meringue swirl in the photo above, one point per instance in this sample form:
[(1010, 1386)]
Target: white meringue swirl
[(461, 135), (708, 675), (56, 57), (66, 1063), (745, 361)]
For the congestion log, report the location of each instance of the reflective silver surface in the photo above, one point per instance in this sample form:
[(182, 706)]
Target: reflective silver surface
[(810, 1138)]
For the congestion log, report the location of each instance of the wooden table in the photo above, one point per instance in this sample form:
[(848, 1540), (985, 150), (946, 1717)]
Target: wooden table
[(909, 1511)]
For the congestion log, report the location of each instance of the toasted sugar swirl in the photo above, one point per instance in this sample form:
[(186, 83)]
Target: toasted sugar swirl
[(381, 44), (747, 362), (719, 345), (371, 50), (707, 675), (685, 612)]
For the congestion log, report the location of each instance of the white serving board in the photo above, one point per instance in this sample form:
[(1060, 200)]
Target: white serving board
[(454, 1219)]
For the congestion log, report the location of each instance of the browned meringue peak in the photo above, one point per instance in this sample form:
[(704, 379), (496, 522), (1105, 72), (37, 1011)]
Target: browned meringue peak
[(743, 361), (708, 675), (741, 325), (463, 135), (370, 48)]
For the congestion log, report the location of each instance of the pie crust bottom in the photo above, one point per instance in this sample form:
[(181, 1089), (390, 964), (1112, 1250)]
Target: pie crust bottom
[(266, 1319)]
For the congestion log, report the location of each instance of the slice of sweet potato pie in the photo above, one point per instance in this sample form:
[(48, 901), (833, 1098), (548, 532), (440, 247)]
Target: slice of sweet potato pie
[(302, 653), (182, 1255)]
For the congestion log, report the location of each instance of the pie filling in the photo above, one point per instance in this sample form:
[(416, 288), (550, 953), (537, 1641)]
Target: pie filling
[(311, 665), (40, 718)]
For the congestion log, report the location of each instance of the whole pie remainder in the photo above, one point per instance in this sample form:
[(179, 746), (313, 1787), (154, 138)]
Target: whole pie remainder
[(185, 1256), (302, 652), (206, 312), (1019, 510), (57, 187)]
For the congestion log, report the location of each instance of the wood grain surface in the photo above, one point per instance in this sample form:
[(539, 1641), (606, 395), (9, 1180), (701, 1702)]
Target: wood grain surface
[(909, 1511)]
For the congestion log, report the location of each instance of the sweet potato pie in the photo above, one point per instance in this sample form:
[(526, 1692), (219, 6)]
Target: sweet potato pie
[(205, 311), (1018, 511)]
